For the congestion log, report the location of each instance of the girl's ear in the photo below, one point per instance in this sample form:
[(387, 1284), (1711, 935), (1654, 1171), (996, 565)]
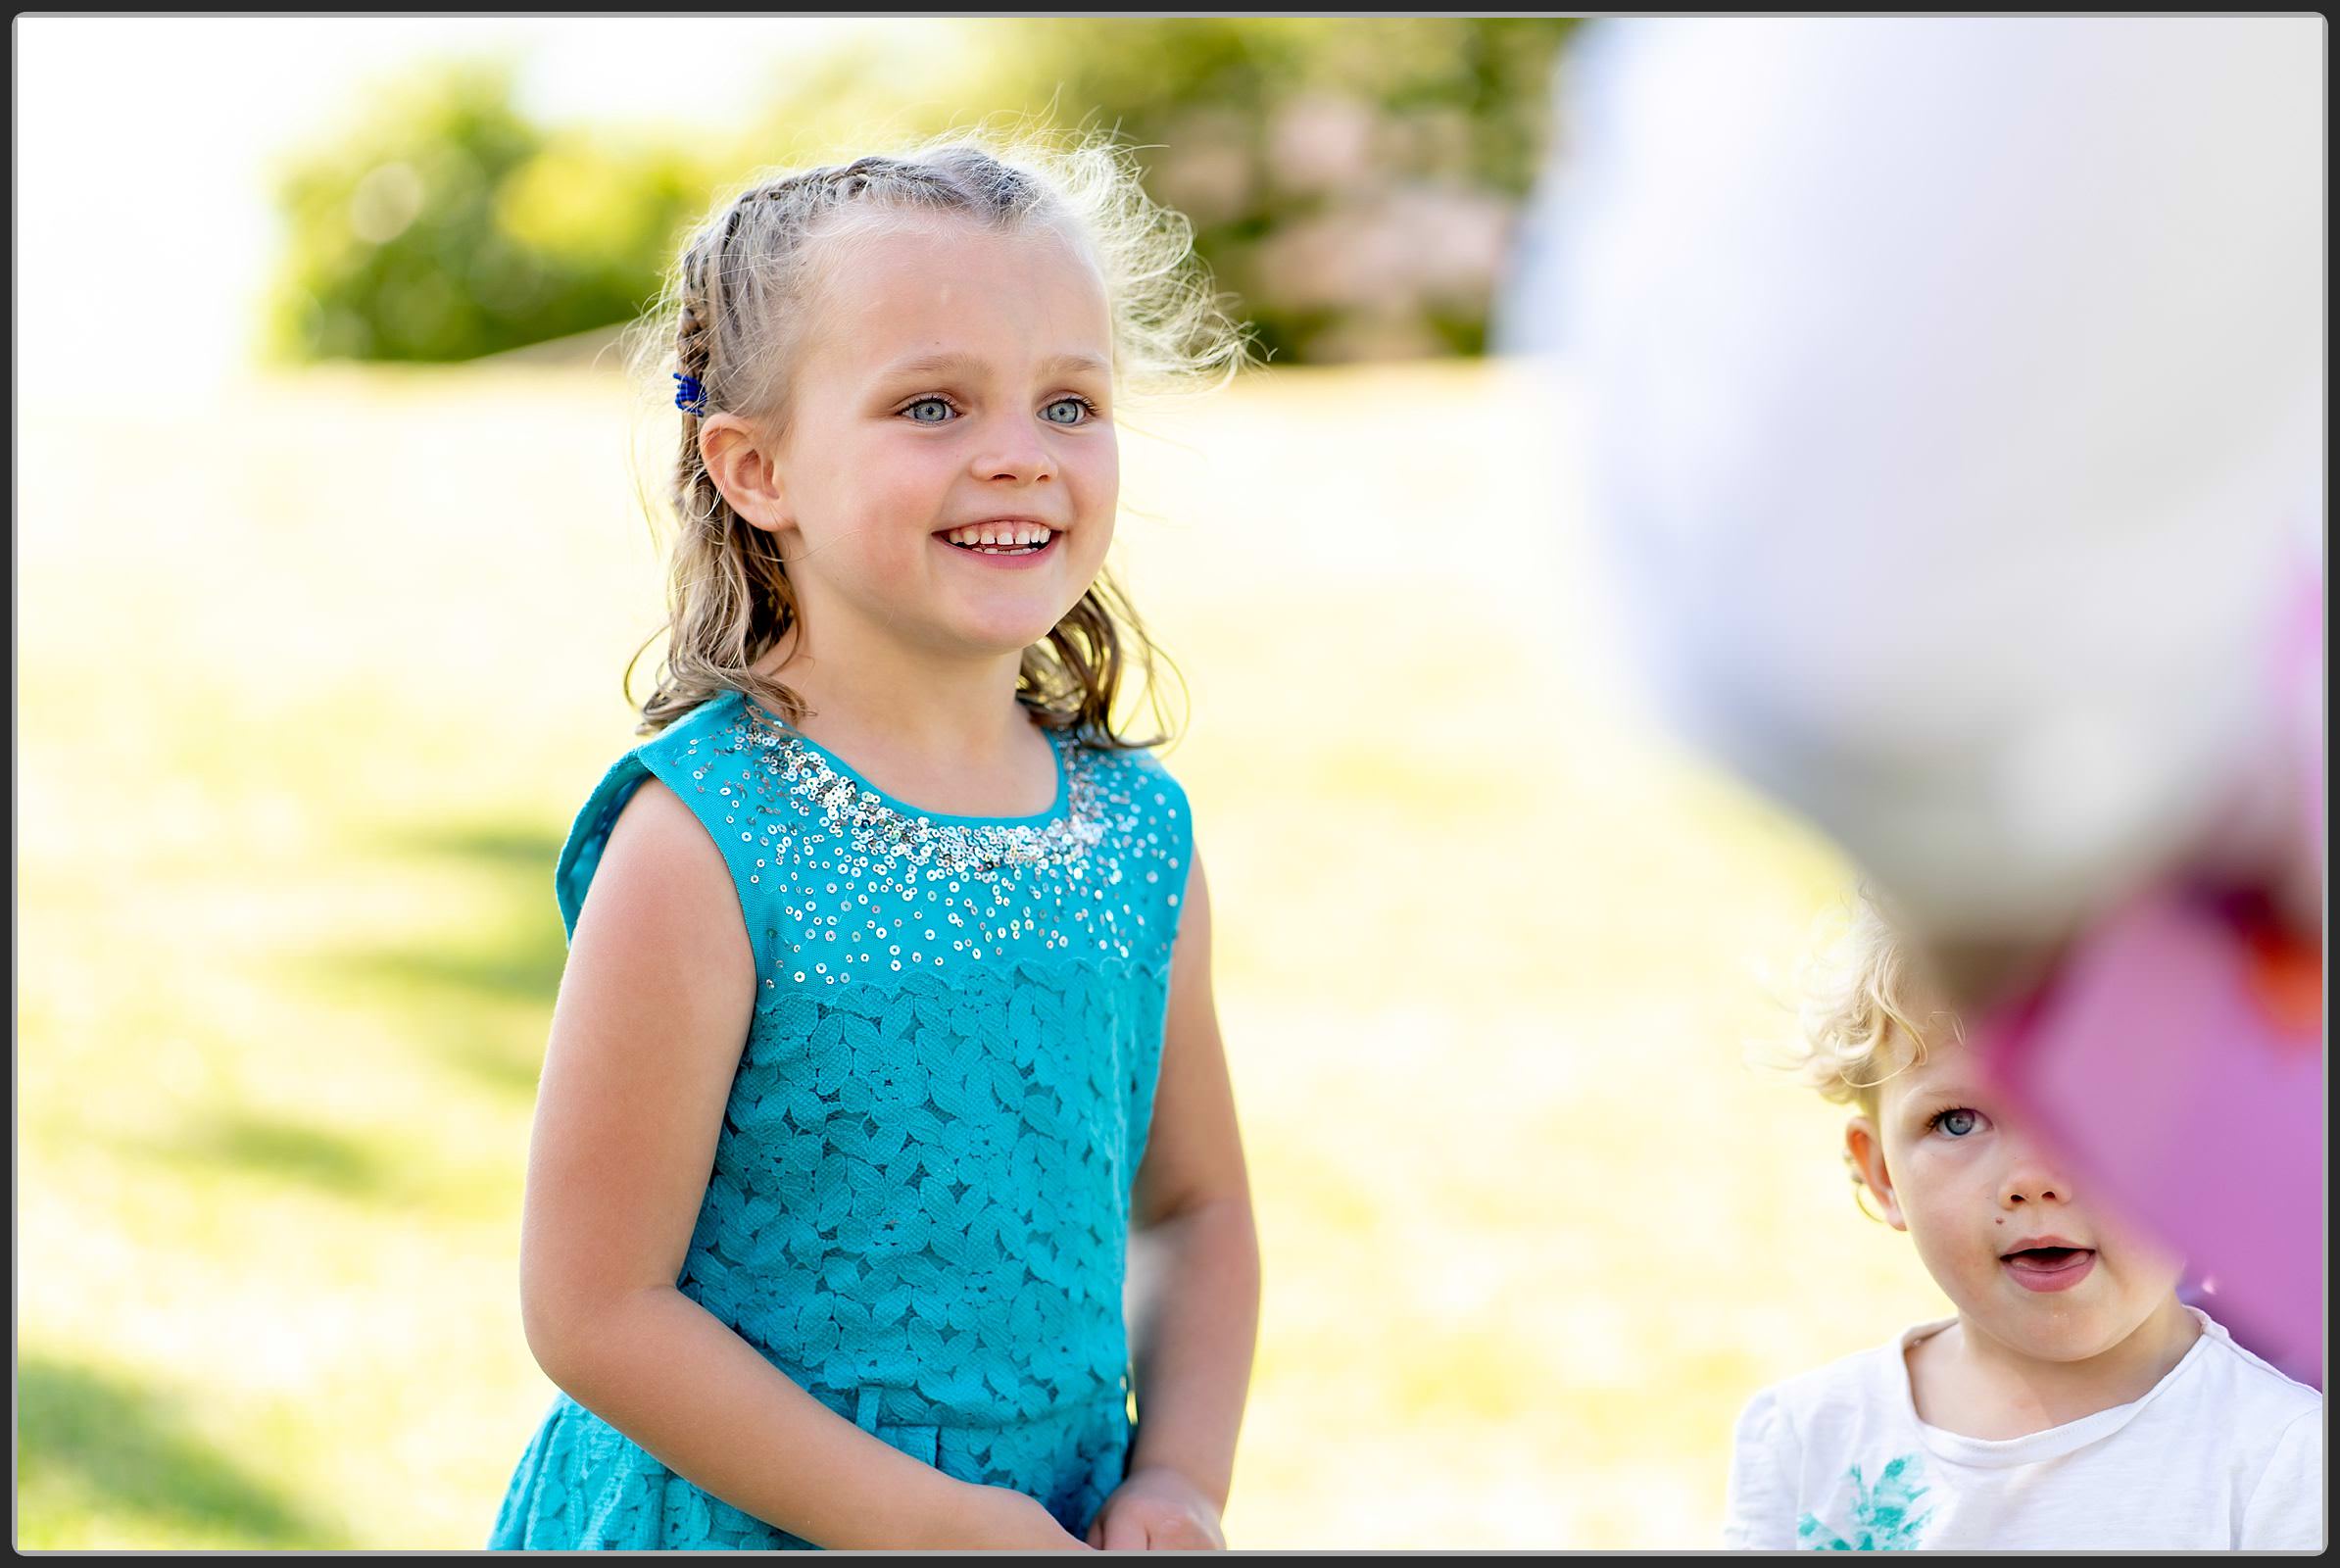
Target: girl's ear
[(1865, 1152), (740, 460)]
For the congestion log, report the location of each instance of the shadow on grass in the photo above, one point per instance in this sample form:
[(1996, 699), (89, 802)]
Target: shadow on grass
[(290, 1150), (508, 945), (97, 1451), (476, 987)]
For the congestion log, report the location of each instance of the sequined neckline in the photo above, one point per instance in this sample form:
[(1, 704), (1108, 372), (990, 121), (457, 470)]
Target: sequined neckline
[(773, 730)]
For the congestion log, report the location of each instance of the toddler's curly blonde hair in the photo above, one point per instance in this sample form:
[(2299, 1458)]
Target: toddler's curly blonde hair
[(1858, 1023)]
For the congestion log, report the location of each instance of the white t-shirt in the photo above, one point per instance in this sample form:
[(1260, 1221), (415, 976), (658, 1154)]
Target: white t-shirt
[(2224, 1452)]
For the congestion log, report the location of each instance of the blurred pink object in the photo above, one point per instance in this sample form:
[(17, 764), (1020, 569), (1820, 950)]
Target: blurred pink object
[(2177, 1059), (2177, 1056)]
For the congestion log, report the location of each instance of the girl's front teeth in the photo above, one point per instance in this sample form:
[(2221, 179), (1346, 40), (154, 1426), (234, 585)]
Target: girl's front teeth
[(1000, 539)]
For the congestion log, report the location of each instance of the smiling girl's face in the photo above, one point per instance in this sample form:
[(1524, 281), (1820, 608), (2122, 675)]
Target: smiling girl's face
[(2000, 1223), (948, 473)]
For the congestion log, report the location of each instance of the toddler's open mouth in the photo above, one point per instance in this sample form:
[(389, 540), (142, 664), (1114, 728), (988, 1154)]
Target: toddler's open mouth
[(2050, 1267)]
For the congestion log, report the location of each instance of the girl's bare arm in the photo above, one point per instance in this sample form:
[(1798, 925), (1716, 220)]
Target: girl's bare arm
[(654, 1005), (1195, 1255)]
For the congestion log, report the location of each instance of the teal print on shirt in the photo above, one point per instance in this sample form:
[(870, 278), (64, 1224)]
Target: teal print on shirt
[(1883, 1515)]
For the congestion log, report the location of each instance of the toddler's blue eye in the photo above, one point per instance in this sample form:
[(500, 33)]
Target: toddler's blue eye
[(1957, 1123), (1058, 412), (942, 410)]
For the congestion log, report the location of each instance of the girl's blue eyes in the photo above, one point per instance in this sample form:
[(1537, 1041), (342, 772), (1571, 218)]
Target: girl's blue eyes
[(1957, 1122), (939, 411)]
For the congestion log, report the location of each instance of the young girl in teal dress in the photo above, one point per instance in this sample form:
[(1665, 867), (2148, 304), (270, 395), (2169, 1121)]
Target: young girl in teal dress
[(885, 1054)]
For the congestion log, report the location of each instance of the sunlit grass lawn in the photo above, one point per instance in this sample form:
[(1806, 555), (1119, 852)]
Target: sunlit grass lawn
[(310, 683)]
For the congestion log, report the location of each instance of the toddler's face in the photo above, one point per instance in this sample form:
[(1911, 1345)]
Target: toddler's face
[(2000, 1223), (950, 469)]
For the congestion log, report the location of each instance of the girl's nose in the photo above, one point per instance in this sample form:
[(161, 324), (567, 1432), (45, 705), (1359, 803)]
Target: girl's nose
[(1016, 452)]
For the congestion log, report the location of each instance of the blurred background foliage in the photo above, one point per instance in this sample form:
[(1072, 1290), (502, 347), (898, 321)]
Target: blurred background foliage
[(1352, 182), (446, 226)]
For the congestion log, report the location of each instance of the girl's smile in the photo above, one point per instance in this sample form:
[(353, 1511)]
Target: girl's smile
[(1009, 543)]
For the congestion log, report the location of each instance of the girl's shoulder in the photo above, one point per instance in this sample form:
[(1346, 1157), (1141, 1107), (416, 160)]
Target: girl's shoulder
[(1130, 791), (701, 754), (1136, 766)]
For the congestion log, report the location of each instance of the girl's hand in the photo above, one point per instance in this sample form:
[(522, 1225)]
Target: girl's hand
[(1159, 1510)]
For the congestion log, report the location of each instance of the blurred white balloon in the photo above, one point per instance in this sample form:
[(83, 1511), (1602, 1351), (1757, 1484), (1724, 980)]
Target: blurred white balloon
[(1955, 408)]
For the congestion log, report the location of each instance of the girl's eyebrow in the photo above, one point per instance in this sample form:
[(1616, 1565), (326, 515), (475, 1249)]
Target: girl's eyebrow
[(1922, 1103), (970, 366), (1076, 364)]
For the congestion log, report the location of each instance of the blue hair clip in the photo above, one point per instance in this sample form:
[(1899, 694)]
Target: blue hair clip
[(689, 395)]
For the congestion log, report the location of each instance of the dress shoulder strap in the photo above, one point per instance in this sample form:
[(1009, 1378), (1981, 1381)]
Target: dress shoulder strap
[(697, 758)]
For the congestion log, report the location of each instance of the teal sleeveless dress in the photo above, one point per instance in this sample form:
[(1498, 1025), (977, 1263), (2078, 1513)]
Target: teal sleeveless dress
[(919, 1207)]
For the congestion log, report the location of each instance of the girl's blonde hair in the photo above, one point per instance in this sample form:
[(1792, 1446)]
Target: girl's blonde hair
[(1858, 1030), (733, 316)]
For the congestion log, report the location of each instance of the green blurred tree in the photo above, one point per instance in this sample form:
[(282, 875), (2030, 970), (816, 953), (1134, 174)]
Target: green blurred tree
[(1353, 183), (447, 226)]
